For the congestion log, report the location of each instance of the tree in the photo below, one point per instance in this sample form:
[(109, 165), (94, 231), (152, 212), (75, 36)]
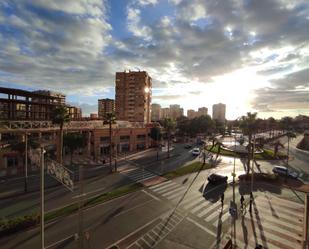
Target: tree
[(74, 141), (60, 116), (276, 145), (20, 147), (289, 135), (219, 145), (169, 126), (109, 119), (248, 126), (155, 134)]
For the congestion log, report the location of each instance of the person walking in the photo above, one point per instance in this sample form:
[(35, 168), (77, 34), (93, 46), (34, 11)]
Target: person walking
[(222, 199)]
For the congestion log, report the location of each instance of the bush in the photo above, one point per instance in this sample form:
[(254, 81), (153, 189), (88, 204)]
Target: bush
[(17, 224)]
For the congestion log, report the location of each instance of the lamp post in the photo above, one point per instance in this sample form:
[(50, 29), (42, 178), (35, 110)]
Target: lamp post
[(42, 196)]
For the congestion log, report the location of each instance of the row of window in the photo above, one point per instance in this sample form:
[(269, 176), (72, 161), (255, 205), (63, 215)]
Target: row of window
[(123, 138)]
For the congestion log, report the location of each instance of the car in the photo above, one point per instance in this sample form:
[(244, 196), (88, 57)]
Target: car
[(195, 152), (188, 146), (283, 171), (216, 178)]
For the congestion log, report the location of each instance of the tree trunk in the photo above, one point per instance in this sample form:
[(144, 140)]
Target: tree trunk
[(249, 153)]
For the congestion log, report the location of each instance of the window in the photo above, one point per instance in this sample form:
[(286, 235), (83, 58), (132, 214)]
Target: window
[(104, 139), (124, 138)]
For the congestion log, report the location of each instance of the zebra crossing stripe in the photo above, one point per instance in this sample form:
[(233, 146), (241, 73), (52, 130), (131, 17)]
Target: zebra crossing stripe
[(208, 209), (280, 215), (162, 191), (215, 213), (287, 202), (159, 185), (270, 218), (203, 205), (193, 203), (267, 224), (173, 197), (189, 198), (165, 188), (178, 189)]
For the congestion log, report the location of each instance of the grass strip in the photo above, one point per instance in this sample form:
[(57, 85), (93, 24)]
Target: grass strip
[(16, 224), (191, 168), (266, 155)]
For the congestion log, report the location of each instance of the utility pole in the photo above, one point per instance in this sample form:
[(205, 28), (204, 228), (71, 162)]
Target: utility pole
[(80, 207), (26, 162), (252, 170), (42, 197)]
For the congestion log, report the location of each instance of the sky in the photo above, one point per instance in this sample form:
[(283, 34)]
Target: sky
[(252, 55)]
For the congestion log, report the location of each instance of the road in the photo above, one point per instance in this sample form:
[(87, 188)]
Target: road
[(183, 213)]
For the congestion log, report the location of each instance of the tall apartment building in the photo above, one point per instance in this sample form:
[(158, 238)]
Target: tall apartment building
[(133, 96), (165, 112), (218, 112), (155, 112), (202, 111), (175, 111), (191, 114), (105, 106)]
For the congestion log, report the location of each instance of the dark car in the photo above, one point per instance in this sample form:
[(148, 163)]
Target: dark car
[(215, 178)]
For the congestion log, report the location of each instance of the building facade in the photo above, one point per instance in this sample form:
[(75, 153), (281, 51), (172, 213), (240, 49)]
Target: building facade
[(202, 111), (133, 96), (218, 112), (175, 111), (165, 112), (74, 112), (155, 112), (191, 114), (105, 106)]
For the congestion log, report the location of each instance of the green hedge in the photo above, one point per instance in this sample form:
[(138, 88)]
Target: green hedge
[(191, 168)]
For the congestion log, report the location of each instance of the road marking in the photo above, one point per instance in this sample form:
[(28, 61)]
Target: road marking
[(178, 189), (169, 184), (59, 241), (159, 185), (214, 213), (202, 227), (151, 195)]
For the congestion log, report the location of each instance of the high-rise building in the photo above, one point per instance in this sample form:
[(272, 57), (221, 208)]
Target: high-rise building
[(175, 111), (74, 112), (105, 106), (191, 114), (133, 96), (202, 111), (218, 112), (165, 112), (155, 112)]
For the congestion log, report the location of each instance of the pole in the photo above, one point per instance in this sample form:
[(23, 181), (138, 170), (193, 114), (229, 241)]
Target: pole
[(42, 197), (306, 223), (252, 170), (80, 208), (26, 162)]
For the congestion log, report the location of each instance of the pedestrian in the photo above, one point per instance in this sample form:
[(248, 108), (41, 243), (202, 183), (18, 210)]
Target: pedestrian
[(242, 201), (222, 199)]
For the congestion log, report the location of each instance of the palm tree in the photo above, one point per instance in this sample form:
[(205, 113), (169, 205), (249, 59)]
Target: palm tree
[(219, 144), (74, 141), (110, 118), (248, 126), (276, 145), (60, 116), (169, 126), (289, 135)]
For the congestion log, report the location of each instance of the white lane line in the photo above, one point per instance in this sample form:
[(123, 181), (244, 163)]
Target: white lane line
[(162, 191), (60, 241), (202, 227), (151, 195)]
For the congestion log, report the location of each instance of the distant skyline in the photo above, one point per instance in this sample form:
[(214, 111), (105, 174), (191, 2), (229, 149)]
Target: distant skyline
[(252, 55)]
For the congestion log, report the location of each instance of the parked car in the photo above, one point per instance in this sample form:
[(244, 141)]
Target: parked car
[(216, 178), (283, 171), (188, 146), (195, 152)]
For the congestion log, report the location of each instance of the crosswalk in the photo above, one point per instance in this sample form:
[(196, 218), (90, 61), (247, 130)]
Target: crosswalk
[(274, 222), (159, 232), (194, 203), (138, 175)]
